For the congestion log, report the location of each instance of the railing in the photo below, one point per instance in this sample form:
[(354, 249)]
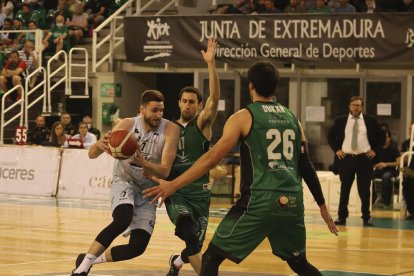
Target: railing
[(4, 110), (50, 75), (39, 71), (82, 65), (408, 155), (112, 38)]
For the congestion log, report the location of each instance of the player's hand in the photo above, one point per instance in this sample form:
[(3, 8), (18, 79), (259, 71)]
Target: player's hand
[(138, 159), (162, 191), (371, 154), (340, 154), (328, 220), (210, 55)]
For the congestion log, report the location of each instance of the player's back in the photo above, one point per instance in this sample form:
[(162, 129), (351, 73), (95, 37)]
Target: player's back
[(270, 152)]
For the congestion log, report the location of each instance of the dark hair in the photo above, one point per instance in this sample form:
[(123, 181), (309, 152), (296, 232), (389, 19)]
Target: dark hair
[(31, 21), (26, 5), (151, 96), (82, 123), (54, 138), (264, 77), (191, 89), (7, 19), (14, 52), (356, 98)]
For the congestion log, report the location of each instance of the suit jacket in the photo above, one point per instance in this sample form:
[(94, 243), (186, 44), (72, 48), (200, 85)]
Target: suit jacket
[(336, 135)]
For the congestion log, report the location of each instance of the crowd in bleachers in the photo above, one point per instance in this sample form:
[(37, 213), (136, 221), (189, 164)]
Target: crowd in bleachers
[(314, 6)]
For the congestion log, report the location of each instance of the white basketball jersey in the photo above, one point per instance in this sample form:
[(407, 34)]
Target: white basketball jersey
[(151, 145)]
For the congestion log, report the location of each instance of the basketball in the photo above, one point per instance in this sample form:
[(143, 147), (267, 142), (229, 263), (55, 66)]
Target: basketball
[(122, 144)]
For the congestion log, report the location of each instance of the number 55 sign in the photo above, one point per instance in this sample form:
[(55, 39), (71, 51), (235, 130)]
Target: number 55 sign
[(21, 135)]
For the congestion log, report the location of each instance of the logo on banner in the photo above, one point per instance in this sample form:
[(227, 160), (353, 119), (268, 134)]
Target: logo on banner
[(157, 45), (409, 38)]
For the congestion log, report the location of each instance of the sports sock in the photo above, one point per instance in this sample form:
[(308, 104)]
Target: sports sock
[(86, 263), (100, 259), (178, 262)]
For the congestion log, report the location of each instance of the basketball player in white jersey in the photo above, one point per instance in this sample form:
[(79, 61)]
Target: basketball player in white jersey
[(157, 139)]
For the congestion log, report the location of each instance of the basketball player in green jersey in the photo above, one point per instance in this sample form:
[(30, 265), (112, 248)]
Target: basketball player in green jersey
[(274, 158), (188, 208)]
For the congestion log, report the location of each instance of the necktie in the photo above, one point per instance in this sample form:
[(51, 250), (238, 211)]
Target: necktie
[(354, 141)]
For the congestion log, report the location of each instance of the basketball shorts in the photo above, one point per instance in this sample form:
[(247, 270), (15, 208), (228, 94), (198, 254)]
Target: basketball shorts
[(122, 192), (196, 207), (277, 216)]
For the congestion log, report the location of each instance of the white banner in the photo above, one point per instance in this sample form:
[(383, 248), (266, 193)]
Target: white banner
[(29, 170), (84, 178)]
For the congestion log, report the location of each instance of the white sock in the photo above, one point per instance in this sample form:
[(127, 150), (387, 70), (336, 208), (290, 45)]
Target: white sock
[(178, 262), (100, 259), (86, 263)]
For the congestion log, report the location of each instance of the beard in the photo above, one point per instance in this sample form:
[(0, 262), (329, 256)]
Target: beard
[(154, 123)]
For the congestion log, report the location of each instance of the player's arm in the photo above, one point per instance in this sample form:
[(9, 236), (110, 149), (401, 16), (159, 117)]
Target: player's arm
[(235, 127), (308, 173), (162, 170), (101, 146), (208, 114)]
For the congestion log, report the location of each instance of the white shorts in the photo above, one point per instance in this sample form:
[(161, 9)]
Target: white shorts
[(122, 192)]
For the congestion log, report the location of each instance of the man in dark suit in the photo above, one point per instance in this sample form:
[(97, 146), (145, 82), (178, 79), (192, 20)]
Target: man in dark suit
[(355, 139)]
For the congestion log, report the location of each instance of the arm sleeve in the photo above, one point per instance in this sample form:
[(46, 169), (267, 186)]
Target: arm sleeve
[(308, 174)]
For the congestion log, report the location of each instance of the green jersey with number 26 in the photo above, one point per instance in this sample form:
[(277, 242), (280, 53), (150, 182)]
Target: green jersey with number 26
[(270, 152)]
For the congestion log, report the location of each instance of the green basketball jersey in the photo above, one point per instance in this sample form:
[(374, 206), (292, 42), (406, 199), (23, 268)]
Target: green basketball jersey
[(269, 154), (191, 146)]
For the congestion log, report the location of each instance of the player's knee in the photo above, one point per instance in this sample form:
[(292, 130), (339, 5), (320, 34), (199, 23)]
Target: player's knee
[(122, 217), (139, 242), (302, 267), (186, 230), (210, 262)]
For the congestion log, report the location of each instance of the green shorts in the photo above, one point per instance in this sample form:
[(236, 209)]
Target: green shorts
[(197, 208), (277, 216)]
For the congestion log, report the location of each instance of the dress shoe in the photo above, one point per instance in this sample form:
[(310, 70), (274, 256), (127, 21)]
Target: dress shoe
[(340, 222), (368, 223)]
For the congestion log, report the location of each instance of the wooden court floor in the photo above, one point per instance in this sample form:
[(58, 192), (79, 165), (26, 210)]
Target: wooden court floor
[(42, 236)]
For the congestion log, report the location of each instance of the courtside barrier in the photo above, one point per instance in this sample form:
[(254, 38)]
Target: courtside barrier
[(29, 170), (84, 178)]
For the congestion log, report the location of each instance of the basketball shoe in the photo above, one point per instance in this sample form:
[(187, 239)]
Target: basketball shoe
[(173, 270)]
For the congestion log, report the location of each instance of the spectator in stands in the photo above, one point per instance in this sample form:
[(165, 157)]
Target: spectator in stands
[(294, 7), (57, 136), (57, 38), (78, 25), (63, 10), (407, 6), (386, 169), (88, 120), (88, 139), (389, 6), (50, 5), (370, 7), (344, 7), (7, 7), (40, 134), (408, 182), (6, 39), (269, 7), (319, 7), (66, 121), (31, 58), (26, 14), (281, 4), (12, 75), (19, 38), (97, 10), (32, 25)]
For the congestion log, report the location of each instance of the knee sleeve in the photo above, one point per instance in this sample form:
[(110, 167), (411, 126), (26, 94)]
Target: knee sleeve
[(210, 262), (122, 217), (186, 230), (303, 268), (138, 242)]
